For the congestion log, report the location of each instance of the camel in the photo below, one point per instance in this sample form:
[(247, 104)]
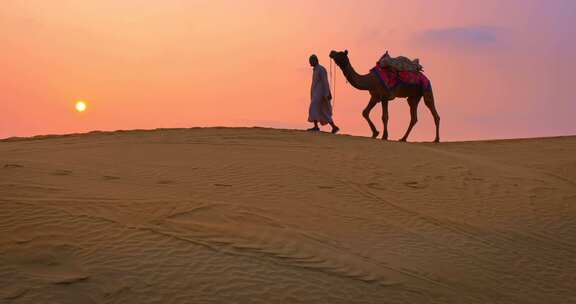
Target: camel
[(379, 93)]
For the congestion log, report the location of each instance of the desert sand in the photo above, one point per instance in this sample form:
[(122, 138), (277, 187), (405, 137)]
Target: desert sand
[(255, 215)]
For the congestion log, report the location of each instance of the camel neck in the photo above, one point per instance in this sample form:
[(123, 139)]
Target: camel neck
[(358, 81)]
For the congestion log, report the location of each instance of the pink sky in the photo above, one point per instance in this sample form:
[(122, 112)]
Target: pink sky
[(499, 69)]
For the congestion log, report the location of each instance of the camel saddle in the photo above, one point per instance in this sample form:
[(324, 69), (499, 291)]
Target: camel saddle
[(399, 63), (390, 78)]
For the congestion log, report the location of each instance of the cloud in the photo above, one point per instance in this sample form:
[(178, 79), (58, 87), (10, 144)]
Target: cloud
[(462, 37)]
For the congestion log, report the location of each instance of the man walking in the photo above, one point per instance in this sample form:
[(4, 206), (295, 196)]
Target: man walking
[(320, 105)]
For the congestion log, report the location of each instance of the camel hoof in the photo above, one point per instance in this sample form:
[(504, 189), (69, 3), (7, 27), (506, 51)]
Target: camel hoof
[(375, 134), (402, 140), (436, 141)]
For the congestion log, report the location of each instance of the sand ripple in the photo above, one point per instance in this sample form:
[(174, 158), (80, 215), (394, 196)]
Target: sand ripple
[(275, 216)]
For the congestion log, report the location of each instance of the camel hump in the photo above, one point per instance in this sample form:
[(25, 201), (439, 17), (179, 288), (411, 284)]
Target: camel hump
[(400, 63)]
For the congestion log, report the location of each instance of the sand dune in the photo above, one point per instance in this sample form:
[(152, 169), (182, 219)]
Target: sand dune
[(275, 216)]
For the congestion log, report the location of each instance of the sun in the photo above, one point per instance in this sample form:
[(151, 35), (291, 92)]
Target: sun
[(81, 106)]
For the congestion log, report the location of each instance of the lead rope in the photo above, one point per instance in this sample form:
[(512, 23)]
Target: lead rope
[(333, 78)]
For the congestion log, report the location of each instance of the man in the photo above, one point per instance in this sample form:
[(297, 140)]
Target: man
[(320, 106)]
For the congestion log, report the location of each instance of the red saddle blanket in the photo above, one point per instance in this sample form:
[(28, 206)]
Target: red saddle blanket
[(391, 79)]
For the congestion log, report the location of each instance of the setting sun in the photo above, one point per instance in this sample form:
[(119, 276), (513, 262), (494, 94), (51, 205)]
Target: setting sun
[(81, 106)]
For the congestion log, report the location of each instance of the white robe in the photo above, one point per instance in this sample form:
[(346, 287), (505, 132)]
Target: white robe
[(320, 105)]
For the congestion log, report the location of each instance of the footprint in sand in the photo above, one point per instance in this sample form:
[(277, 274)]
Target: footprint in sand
[(109, 177), (13, 292), (222, 185), (62, 173), (415, 185), (12, 166), (52, 263)]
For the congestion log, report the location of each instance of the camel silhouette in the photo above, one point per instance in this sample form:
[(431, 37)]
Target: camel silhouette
[(380, 93)]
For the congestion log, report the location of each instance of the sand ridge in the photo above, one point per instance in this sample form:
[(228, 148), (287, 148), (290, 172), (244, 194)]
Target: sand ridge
[(254, 215)]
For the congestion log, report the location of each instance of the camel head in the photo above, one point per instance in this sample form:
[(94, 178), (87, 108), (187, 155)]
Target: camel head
[(341, 58)]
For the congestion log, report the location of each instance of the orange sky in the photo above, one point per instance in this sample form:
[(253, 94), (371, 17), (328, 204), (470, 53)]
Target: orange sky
[(499, 68)]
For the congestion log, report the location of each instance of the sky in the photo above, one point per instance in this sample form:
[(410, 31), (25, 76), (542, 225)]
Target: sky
[(499, 68)]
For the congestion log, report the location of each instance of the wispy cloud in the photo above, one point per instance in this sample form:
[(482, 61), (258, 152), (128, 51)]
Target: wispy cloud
[(481, 36)]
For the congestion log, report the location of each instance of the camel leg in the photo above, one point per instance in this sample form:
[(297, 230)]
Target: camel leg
[(413, 103), (385, 119), (429, 101), (366, 115)]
